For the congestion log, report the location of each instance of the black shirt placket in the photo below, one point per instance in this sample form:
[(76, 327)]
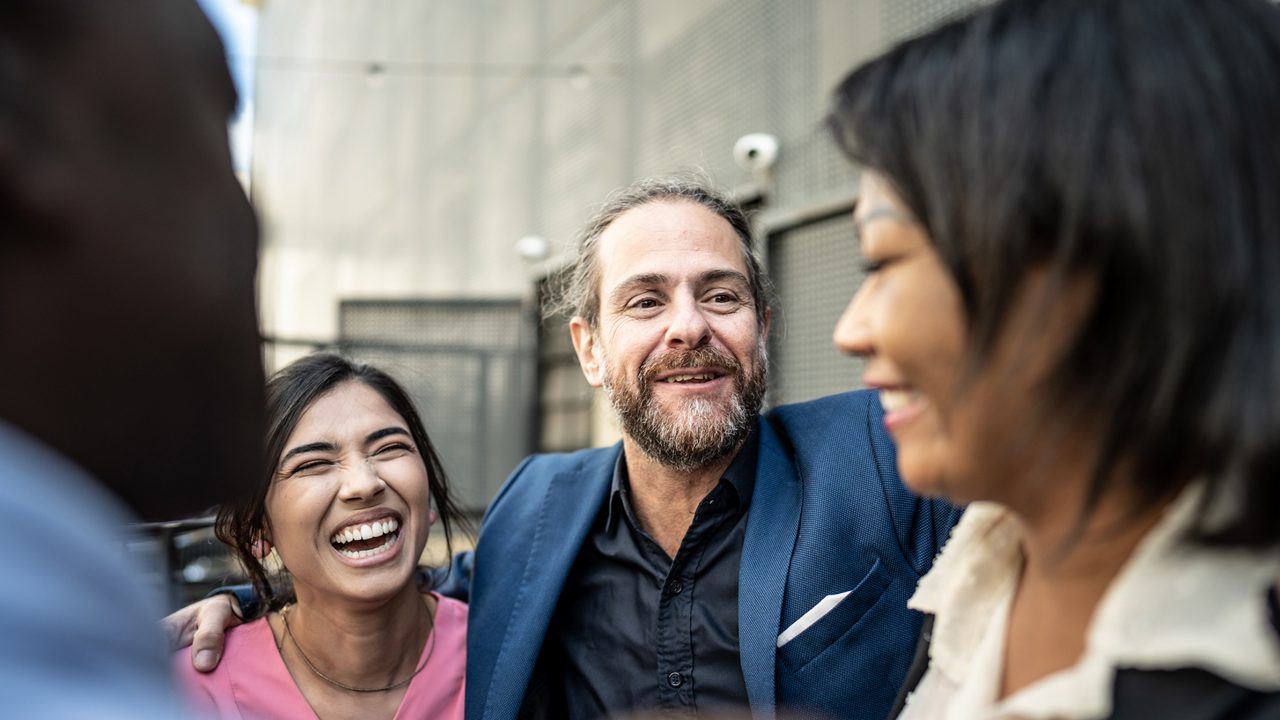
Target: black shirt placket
[(674, 631), (636, 630)]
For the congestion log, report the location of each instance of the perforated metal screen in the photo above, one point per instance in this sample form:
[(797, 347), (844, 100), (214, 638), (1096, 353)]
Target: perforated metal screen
[(469, 368), (564, 397), (816, 269), (904, 18), (499, 119), (816, 266)]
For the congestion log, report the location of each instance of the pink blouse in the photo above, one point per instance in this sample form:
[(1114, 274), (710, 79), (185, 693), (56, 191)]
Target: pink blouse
[(252, 682)]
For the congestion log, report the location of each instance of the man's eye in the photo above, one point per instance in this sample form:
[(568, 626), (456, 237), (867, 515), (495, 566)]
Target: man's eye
[(644, 304), (724, 298)]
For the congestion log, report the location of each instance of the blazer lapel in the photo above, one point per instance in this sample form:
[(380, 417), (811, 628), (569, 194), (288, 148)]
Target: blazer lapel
[(772, 523), (570, 504)]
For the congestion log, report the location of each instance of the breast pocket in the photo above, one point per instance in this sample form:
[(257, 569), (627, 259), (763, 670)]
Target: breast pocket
[(842, 619)]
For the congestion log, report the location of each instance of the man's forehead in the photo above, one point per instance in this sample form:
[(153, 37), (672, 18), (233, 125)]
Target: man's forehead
[(669, 237)]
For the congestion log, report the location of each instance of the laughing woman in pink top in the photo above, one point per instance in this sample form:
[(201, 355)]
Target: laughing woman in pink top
[(346, 505)]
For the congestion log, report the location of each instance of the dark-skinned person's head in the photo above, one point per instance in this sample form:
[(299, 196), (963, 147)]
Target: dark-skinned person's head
[(128, 251), (350, 482), (1070, 213)]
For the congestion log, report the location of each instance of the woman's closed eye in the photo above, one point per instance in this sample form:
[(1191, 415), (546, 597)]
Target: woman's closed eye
[(392, 450), (871, 266), (308, 466)]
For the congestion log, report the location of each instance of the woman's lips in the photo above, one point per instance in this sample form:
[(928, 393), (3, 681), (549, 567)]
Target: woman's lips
[(900, 406)]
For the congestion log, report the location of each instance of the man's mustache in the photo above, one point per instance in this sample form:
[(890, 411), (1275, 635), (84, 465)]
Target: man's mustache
[(703, 357)]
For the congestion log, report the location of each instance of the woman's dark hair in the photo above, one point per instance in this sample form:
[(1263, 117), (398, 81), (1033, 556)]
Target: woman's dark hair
[(1137, 142), (289, 393)]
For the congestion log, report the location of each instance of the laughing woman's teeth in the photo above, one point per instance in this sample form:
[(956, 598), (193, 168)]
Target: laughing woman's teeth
[(892, 400), (368, 531), (357, 554)]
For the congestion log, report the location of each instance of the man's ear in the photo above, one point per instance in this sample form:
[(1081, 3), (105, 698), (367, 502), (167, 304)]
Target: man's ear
[(584, 344), (768, 318)]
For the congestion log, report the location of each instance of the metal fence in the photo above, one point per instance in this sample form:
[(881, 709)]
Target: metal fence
[(816, 269), (469, 367), (564, 397)]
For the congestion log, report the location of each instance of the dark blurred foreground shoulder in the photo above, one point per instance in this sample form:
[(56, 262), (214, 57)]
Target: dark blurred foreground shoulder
[(1188, 694)]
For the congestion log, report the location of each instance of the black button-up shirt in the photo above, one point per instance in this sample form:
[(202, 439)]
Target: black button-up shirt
[(636, 629)]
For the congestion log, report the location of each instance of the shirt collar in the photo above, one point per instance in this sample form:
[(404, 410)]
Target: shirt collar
[(1155, 615), (969, 580), (740, 477)]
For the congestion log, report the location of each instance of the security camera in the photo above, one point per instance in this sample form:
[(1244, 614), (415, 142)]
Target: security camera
[(756, 152)]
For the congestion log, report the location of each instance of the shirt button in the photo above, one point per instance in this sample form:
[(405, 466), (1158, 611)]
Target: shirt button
[(675, 679), (676, 587)]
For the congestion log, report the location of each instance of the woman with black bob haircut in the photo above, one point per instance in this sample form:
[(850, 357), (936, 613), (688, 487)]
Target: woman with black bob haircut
[(345, 505), (1070, 214)]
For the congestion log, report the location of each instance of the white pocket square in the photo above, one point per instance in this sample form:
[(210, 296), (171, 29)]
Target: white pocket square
[(816, 613)]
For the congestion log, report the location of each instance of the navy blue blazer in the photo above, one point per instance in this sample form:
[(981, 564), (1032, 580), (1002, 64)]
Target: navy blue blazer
[(828, 515)]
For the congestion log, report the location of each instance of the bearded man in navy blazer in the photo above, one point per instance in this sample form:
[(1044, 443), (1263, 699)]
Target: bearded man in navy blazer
[(715, 558)]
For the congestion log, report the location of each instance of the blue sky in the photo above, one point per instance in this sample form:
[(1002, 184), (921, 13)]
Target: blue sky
[(237, 22)]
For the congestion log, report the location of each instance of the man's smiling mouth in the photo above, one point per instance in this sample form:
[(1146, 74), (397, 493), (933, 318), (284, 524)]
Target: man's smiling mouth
[(699, 377)]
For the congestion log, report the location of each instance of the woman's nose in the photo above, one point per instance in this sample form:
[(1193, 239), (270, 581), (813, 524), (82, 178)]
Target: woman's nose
[(361, 482), (853, 331)]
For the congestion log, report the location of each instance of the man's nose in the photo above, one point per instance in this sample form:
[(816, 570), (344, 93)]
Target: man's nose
[(853, 330), (689, 327), (361, 482)]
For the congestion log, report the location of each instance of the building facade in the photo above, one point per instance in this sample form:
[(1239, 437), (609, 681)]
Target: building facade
[(403, 148)]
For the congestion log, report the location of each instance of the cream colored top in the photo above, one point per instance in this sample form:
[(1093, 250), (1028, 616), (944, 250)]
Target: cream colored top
[(1172, 605)]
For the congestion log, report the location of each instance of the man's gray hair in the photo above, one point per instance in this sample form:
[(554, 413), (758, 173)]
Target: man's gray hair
[(579, 292)]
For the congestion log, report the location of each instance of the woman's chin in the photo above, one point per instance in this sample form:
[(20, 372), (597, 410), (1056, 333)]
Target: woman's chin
[(369, 592), (923, 477)]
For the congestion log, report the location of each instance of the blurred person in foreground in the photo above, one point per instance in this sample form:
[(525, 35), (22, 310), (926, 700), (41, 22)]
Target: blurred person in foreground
[(133, 383), (715, 558), (345, 502), (1071, 217)]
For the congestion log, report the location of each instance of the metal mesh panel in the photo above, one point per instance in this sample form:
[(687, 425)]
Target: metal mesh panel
[(709, 85), (904, 18), (467, 366), (816, 270), (810, 167), (564, 397), (416, 182), (585, 140)]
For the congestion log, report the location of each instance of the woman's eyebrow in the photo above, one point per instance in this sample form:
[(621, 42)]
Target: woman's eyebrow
[(882, 212), (309, 447), (377, 435)]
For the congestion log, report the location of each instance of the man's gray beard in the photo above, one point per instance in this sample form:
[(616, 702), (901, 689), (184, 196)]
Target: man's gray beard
[(701, 432)]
